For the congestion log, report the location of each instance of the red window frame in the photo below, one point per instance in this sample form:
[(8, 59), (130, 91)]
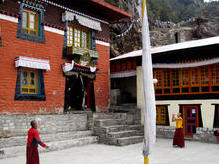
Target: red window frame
[(197, 80)]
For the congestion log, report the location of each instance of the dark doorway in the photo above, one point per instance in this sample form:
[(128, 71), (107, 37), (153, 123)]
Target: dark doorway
[(79, 94), (216, 117)]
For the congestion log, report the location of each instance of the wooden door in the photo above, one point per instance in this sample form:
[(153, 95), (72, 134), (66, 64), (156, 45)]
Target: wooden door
[(190, 116)]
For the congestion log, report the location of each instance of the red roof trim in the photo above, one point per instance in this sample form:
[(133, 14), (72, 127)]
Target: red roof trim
[(116, 9)]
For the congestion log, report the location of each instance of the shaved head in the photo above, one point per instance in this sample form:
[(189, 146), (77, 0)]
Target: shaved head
[(33, 124)]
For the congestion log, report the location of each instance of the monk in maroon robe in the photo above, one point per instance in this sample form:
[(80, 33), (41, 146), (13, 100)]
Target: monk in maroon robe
[(32, 144)]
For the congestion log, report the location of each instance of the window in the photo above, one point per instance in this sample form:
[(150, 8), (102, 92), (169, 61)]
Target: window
[(30, 85), (204, 76), (30, 22), (29, 82), (162, 115), (30, 25), (198, 80), (185, 77), (175, 78), (195, 77), (215, 75), (77, 37), (158, 76), (166, 78)]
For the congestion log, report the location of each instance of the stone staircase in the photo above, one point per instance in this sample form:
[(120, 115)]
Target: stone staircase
[(69, 131), (118, 128)]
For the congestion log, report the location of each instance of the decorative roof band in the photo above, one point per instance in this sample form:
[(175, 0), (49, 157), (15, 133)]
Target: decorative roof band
[(187, 65), (76, 12), (84, 21), (35, 3)]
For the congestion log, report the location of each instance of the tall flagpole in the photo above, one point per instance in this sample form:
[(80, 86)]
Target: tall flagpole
[(149, 108)]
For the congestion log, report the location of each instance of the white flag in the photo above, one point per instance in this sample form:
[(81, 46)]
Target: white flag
[(149, 108)]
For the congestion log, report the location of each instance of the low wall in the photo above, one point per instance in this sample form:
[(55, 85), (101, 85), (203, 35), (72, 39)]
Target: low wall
[(18, 125), (202, 134)]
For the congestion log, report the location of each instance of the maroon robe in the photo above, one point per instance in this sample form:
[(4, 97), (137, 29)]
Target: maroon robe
[(178, 139), (33, 140)]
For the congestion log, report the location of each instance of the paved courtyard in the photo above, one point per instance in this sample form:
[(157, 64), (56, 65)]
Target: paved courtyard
[(164, 153)]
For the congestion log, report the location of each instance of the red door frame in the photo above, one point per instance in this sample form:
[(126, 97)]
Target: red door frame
[(89, 94), (185, 118)]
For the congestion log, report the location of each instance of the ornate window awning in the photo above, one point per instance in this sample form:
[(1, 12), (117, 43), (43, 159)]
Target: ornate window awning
[(22, 61), (84, 21), (74, 69), (82, 51)]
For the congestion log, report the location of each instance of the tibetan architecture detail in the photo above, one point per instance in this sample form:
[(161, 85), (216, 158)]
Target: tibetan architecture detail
[(187, 81), (28, 62), (187, 64), (31, 20), (124, 68), (41, 35), (73, 68), (82, 51), (84, 21)]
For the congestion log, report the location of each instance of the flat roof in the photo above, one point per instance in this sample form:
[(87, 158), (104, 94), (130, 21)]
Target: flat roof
[(173, 47)]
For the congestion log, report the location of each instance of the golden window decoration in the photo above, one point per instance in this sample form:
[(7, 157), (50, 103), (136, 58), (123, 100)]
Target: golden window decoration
[(29, 81), (30, 22), (78, 37), (161, 111)]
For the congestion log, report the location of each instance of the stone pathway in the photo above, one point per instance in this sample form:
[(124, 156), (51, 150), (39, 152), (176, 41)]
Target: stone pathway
[(164, 153)]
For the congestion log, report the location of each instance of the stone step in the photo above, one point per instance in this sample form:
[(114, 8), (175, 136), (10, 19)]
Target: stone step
[(54, 146), (109, 115), (124, 127), (122, 134), (129, 140), (124, 108), (108, 122), (116, 128), (21, 140)]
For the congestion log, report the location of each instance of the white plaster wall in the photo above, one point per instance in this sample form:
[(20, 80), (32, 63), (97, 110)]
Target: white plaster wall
[(139, 86), (207, 109), (139, 90), (207, 106)]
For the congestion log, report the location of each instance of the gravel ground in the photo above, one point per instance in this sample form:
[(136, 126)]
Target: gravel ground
[(163, 153)]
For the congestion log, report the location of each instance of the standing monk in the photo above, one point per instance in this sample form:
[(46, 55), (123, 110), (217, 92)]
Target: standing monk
[(32, 144), (178, 139)]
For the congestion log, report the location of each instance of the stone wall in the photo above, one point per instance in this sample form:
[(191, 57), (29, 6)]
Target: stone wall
[(165, 131), (202, 134), (205, 135), (18, 125)]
